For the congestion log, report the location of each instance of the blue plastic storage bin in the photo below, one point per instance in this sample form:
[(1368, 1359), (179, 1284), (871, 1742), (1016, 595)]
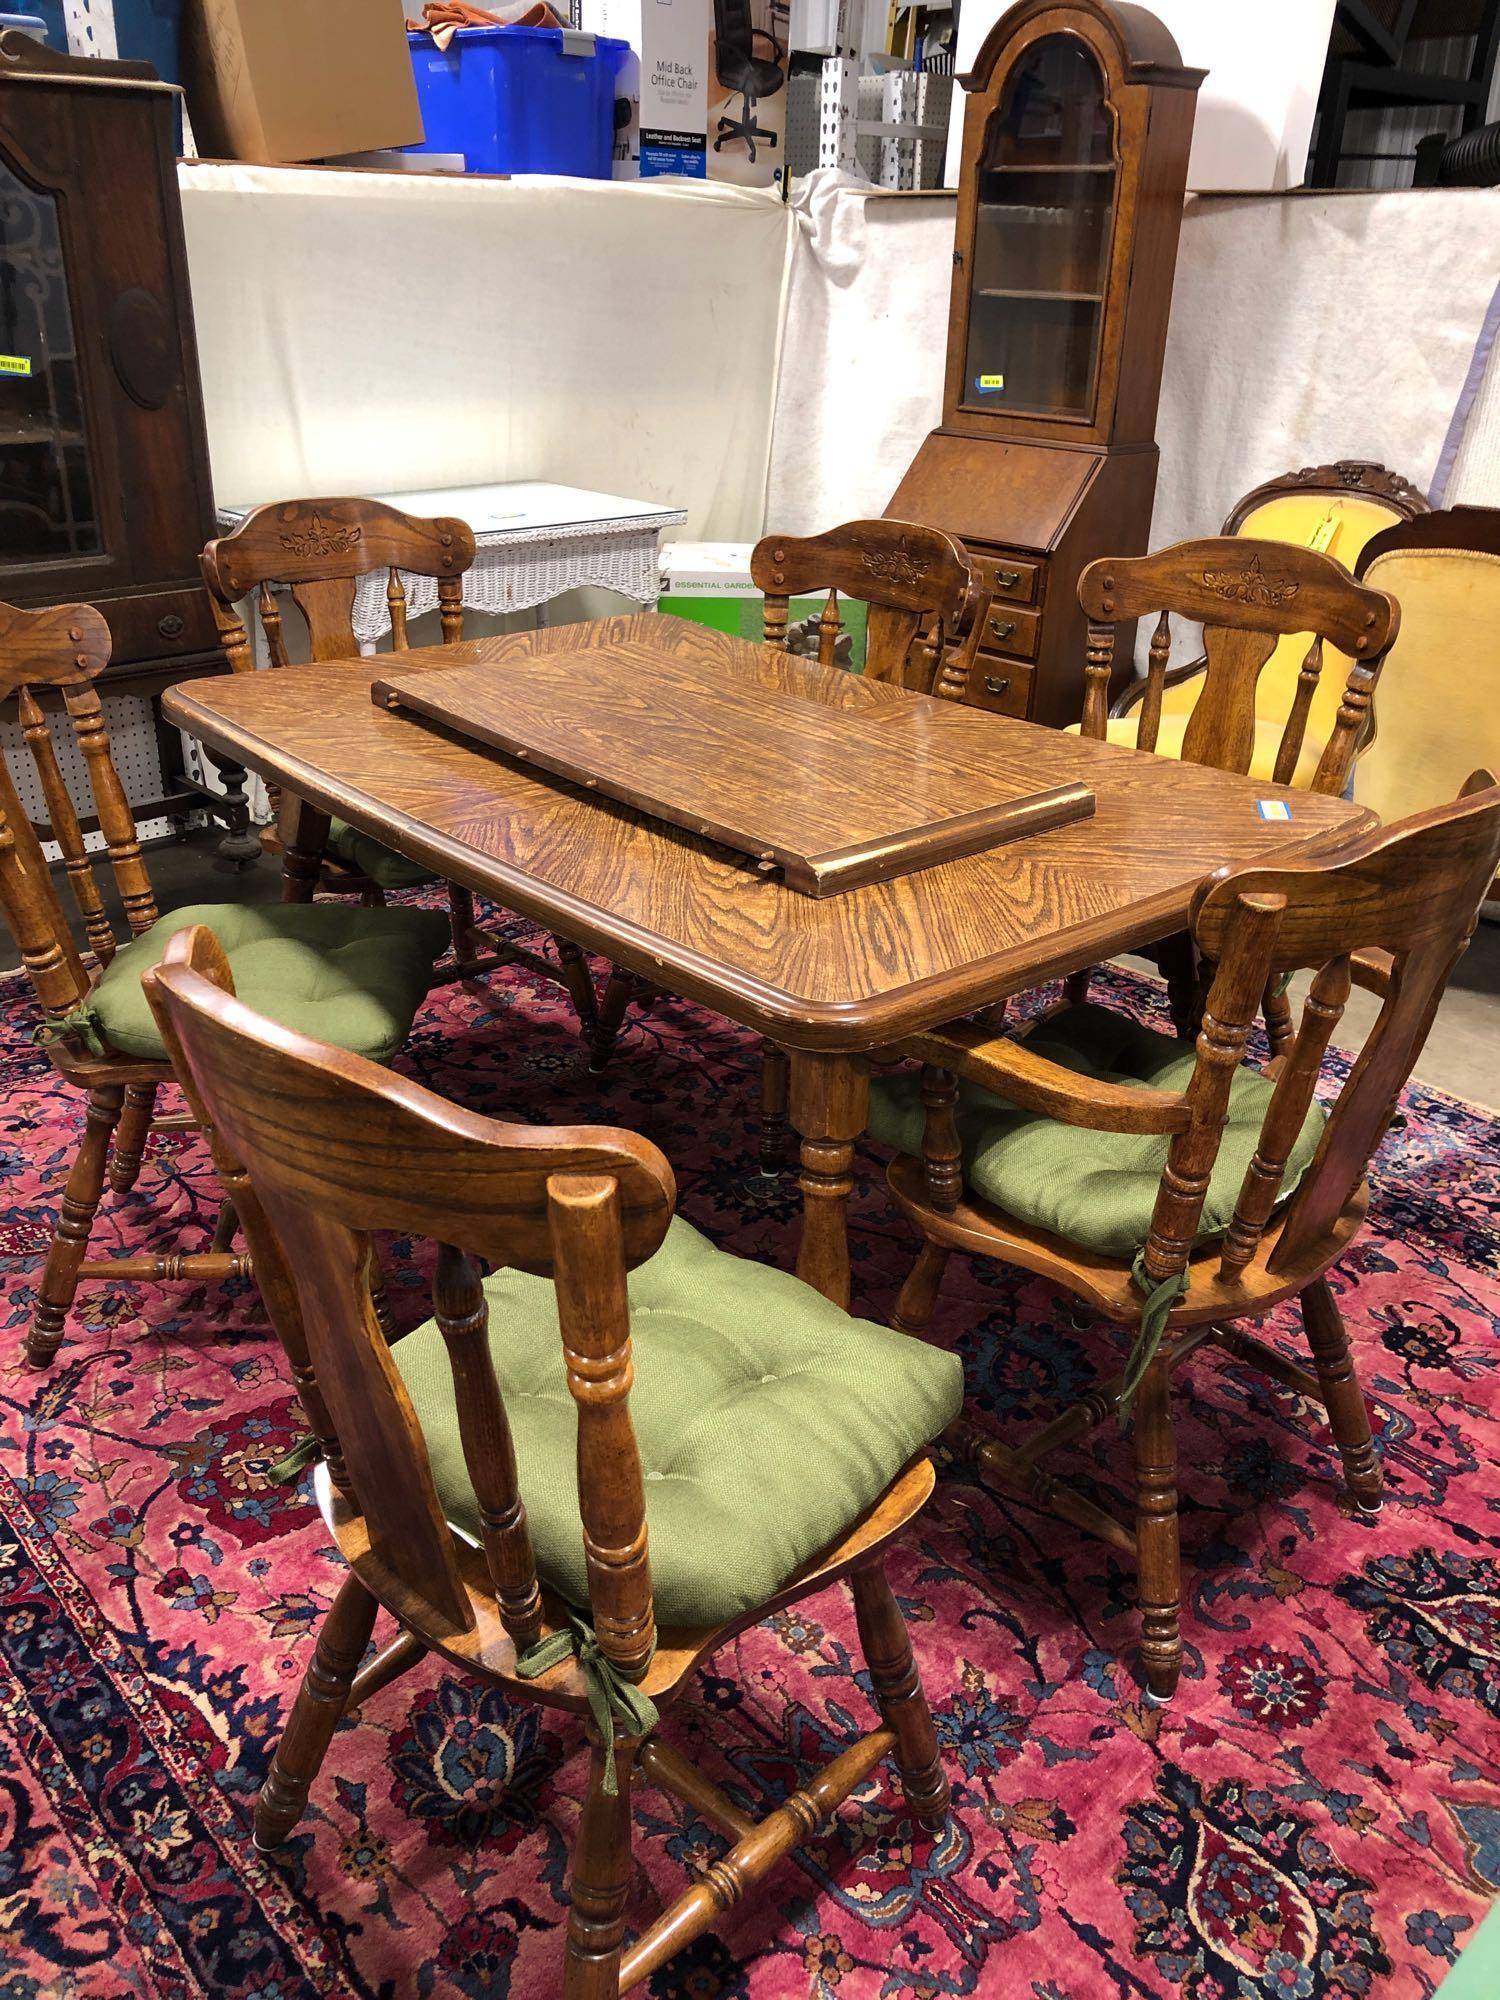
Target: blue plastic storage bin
[(34, 23), (520, 100)]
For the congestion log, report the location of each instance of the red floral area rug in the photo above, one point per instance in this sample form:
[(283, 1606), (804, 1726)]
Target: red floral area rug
[(1316, 1814)]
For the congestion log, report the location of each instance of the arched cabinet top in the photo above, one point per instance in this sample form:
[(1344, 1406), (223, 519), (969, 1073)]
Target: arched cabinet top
[(1142, 48)]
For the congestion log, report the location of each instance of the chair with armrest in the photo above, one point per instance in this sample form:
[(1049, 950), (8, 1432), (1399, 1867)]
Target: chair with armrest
[(1178, 1192), (573, 1516), (738, 67), (354, 976), (1332, 510), (318, 550)]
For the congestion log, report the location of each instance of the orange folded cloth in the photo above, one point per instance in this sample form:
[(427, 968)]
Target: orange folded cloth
[(444, 17)]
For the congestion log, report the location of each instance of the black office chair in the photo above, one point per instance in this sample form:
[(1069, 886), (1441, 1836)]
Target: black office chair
[(739, 68)]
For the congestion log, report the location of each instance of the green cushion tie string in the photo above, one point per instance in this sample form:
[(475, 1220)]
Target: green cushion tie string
[(1159, 1301), (612, 1697), (81, 1026), (285, 1470)]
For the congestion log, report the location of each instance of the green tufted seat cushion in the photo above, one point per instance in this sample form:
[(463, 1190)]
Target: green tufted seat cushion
[(349, 976), (383, 865), (1096, 1189), (766, 1418)]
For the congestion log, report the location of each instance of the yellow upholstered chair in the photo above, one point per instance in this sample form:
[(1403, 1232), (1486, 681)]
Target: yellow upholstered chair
[(1438, 713), (1334, 509)]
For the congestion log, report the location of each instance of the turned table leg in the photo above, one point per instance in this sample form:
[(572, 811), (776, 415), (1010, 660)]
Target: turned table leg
[(304, 834), (830, 1103)]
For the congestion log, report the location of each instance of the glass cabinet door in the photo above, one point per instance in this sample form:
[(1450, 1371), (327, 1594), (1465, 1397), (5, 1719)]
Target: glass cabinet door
[(47, 508), (1039, 262)]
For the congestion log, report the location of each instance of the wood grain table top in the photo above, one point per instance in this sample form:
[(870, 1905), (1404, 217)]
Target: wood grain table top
[(832, 797), (848, 972)]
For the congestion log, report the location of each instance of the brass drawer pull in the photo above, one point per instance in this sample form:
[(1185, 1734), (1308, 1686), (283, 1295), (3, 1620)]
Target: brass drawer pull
[(1007, 578), (1001, 628), (994, 685)]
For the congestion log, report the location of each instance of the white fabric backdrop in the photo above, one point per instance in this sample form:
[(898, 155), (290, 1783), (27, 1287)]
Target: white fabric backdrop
[(1304, 328), (367, 332), (1475, 477), (386, 332)]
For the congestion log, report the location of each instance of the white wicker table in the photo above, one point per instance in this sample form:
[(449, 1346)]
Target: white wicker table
[(535, 540)]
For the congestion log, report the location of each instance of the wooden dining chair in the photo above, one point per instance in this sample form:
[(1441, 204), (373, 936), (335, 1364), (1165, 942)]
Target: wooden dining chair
[(1248, 596), (576, 1517), (918, 584), (1178, 1192), (318, 550), (354, 976), (922, 594)]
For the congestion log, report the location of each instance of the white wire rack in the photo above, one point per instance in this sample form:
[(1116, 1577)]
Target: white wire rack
[(892, 128)]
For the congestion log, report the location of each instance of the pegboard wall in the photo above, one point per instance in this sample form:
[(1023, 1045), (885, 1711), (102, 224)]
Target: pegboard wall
[(91, 28), (133, 745)]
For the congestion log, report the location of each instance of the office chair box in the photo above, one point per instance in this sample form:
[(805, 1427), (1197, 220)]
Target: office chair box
[(671, 39)]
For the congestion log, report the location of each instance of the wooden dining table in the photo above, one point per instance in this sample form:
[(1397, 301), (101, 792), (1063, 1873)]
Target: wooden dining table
[(829, 978)]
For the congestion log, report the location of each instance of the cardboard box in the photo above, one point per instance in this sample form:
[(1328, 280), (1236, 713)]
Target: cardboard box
[(671, 98), (285, 80)]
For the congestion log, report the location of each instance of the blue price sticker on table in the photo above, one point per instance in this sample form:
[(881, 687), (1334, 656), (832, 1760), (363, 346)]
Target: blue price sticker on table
[(1273, 808)]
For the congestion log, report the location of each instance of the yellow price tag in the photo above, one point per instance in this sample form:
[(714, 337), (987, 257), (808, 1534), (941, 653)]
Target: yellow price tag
[(989, 381), (15, 364)]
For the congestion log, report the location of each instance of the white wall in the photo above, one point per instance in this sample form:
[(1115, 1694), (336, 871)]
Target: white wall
[(1255, 109)]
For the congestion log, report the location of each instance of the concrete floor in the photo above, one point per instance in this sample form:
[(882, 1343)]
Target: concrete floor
[(1462, 1054)]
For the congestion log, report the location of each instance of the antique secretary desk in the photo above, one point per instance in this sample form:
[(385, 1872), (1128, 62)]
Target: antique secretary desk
[(1076, 135)]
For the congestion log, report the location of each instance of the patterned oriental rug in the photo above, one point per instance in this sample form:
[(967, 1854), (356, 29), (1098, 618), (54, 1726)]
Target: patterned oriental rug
[(1318, 1812)]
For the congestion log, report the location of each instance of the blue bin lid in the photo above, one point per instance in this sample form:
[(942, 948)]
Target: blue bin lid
[(558, 37)]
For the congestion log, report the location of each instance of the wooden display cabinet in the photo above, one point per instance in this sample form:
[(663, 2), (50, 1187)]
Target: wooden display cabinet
[(1076, 136), (105, 496)]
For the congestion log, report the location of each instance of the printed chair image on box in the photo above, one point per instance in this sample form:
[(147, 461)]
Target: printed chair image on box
[(739, 68)]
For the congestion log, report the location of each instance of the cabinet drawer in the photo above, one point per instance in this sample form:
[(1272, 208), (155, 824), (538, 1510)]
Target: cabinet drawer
[(1009, 629), (1011, 577), (159, 625), (1001, 686)]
